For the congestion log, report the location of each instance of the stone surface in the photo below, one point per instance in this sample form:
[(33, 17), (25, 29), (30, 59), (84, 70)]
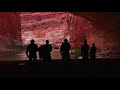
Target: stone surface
[(41, 26), (105, 28), (55, 26), (81, 29), (101, 28), (10, 30)]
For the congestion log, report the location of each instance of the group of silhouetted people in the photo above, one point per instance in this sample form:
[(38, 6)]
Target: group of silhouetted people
[(85, 52), (45, 51)]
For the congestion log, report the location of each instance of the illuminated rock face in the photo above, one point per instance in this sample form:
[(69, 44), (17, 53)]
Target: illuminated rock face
[(81, 29), (102, 28), (54, 26), (10, 29), (97, 27), (41, 26)]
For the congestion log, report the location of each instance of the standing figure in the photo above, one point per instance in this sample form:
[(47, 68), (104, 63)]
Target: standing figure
[(64, 50), (47, 49), (85, 51), (93, 53), (32, 50), (41, 53)]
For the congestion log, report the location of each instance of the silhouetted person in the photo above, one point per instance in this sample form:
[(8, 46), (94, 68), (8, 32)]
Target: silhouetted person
[(41, 52), (31, 51), (93, 53), (64, 50), (84, 52), (47, 49)]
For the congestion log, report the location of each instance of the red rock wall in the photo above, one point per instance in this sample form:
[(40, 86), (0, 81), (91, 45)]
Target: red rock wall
[(101, 28), (54, 26), (104, 29), (10, 29), (45, 25), (81, 29)]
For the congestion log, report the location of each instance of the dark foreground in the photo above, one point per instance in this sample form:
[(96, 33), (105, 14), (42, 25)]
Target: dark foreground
[(103, 68)]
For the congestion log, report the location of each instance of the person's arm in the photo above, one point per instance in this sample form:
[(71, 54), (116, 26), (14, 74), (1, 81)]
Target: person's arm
[(95, 50), (27, 50), (82, 50), (88, 47), (50, 48), (61, 48), (90, 50), (69, 46)]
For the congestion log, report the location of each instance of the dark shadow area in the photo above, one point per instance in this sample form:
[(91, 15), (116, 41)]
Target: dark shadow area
[(103, 68), (61, 68)]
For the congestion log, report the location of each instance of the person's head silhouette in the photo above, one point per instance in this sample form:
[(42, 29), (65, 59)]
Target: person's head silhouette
[(32, 41), (65, 40), (47, 41), (85, 41), (93, 45)]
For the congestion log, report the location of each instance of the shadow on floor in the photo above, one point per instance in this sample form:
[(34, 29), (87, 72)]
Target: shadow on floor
[(105, 68)]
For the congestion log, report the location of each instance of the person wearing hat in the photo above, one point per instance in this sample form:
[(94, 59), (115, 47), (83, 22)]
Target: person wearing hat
[(64, 50), (32, 50)]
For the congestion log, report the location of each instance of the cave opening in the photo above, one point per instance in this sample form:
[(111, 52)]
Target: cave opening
[(55, 27), (40, 26), (76, 27), (97, 27)]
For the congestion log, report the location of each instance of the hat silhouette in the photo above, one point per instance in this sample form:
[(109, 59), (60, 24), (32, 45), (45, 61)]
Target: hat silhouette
[(65, 40), (32, 40)]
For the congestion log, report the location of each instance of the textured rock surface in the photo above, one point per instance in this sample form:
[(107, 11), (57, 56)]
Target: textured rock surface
[(105, 28), (81, 29), (101, 28), (54, 26), (10, 29), (41, 26)]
